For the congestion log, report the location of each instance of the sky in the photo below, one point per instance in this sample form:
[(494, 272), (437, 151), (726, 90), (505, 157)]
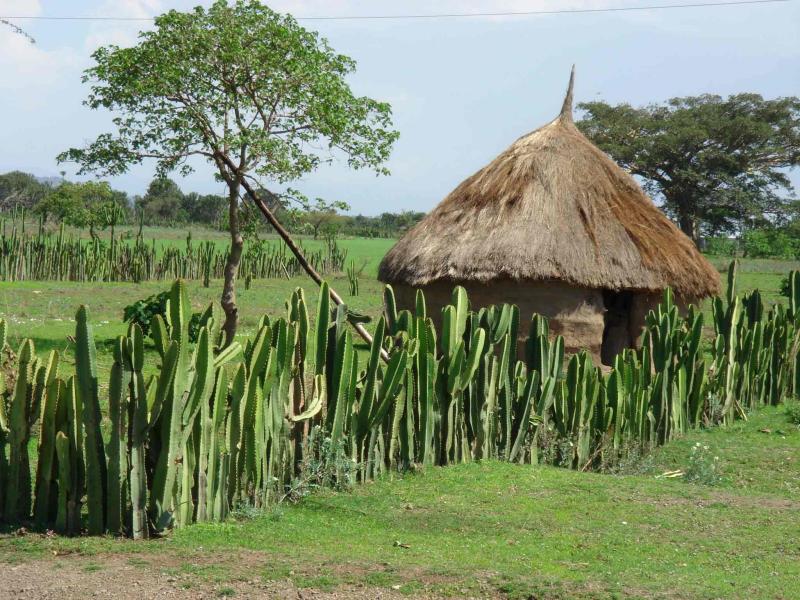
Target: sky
[(461, 90)]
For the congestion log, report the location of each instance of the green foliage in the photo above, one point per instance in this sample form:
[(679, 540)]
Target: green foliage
[(162, 202), (792, 410), (174, 70), (770, 243), (721, 246), (143, 311), (716, 164), (241, 87), (18, 189), (385, 225), (90, 204)]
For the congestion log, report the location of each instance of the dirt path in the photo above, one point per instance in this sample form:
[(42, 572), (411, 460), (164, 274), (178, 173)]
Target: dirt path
[(133, 576)]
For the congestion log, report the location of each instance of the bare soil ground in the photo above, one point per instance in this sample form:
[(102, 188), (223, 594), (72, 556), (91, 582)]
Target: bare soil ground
[(134, 576)]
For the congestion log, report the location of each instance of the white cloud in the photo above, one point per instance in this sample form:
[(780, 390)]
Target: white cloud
[(121, 33), (317, 8), (20, 7), (30, 68)]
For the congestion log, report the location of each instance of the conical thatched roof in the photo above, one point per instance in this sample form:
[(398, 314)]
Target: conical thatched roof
[(552, 206)]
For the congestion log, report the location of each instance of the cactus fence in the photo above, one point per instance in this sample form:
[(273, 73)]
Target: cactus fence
[(49, 256), (216, 429)]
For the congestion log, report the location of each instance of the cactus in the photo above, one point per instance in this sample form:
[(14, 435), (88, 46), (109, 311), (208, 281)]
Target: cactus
[(46, 451), (50, 256), (65, 464), (117, 445), (139, 425), (18, 476), (190, 443), (3, 443), (178, 395), (86, 390)]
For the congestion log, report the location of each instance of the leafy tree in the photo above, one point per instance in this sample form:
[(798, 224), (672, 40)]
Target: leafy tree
[(713, 162), (244, 88), (770, 243), (21, 189), (162, 202), (322, 217), (204, 208), (92, 205)]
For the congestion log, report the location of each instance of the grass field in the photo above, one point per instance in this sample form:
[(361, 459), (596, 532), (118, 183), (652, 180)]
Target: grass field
[(489, 529)]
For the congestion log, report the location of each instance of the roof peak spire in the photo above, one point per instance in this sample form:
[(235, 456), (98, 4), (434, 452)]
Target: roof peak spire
[(566, 108)]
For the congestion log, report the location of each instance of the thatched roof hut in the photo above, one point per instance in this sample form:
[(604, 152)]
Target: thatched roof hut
[(556, 226)]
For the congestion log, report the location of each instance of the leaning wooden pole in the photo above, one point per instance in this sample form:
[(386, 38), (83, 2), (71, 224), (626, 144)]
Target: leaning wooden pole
[(312, 272)]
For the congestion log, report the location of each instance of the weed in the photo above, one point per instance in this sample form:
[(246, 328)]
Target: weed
[(245, 512), (635, 459), (323, 466), (792, 410), (703, 466)]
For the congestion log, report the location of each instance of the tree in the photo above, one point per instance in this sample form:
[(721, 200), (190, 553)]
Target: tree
[(714, 163), (162, 202), (247, 89), (204, 208), (323, 215), (92, 205), (21, 189)]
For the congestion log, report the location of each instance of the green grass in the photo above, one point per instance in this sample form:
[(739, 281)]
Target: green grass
[(763, 274), (44, 311), (522, 531)]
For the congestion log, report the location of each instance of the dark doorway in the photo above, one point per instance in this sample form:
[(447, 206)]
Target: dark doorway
[(616, 331)]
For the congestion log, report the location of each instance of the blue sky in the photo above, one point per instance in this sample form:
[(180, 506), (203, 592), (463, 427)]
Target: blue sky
[(461, 89)]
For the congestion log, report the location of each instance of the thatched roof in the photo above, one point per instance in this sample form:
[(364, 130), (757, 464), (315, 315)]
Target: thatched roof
[(551, 206)]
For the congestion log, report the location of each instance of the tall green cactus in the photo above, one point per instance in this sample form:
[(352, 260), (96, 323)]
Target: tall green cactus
[(3, 444), (191, 443), (18, 477), (45, 470), (86, 389), (139, 424), (65, 464), (118, 388)]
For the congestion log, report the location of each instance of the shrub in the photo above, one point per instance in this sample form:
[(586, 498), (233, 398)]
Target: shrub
[(142, 312), (785, 287), (792, 410), (324, 465), (766, 243), (721, 246)]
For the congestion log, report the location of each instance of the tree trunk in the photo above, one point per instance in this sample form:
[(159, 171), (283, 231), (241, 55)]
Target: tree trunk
[(293, 247), (689, 226), (228, 300), (337, 299)]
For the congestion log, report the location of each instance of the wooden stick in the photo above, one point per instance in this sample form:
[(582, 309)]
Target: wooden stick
[(360, 329)]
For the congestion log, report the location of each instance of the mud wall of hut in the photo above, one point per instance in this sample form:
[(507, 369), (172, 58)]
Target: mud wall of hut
[(576, 313)]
